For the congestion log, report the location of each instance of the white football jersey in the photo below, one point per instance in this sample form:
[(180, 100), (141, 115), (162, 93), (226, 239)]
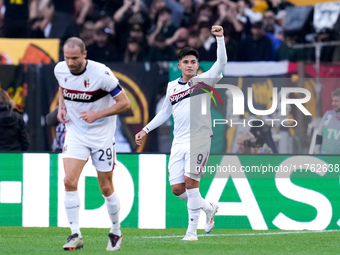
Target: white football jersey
[(183, 101), (94, 90)]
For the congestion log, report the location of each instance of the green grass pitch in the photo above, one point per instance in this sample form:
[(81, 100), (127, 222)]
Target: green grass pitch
[(20, 240)]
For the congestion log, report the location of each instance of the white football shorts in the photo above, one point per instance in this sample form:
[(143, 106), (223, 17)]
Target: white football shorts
[(188, 159), (103, 156)]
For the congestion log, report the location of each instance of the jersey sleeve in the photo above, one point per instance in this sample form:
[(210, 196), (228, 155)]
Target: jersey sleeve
[(56, 71), (166, 106), (110, 81), (215, 72), (162, 115)]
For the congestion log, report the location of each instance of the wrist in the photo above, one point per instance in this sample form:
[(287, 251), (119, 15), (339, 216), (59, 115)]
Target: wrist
[(146, 129)]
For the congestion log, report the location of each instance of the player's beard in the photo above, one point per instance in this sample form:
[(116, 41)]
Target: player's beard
[(77, 69)]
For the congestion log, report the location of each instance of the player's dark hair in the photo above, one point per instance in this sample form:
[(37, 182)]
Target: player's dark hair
[(336, 93), (187, 51)]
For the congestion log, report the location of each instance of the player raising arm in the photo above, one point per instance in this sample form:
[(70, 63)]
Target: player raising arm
[(191, 137)]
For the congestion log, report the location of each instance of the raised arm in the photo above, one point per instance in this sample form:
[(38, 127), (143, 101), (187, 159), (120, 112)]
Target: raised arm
[(216, 70)]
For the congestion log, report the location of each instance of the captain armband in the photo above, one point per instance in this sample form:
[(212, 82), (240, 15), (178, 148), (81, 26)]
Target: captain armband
[(116, 91)]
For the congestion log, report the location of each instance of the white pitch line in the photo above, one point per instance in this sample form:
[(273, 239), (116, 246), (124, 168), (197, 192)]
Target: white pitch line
[(242, 234)]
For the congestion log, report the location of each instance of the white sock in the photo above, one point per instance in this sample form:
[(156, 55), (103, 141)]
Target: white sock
[(194, 209), (206, 206), (72, 204), (113, 208), (183, 196)]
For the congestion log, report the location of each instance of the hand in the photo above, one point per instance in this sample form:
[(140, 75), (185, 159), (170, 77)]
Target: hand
[(217, 31), (222, 10), (62, 116), (140, 136), (89, 116), (160, 23), (128, 2)]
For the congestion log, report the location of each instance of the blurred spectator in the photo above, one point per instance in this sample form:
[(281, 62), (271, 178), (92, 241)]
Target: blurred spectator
[(244, 144), (280, 20), (264, 137), (134, 52), (87, 32), (179, 40), (155, 6), (204, 13), (287, 52), (256, 47), (60, 130), (124, 138), (188, 17), (246, 13), (232, 47), (277, 5), (207, 40), (53, 24), (78, 9), (137, 32), (13, 130), (102, 50), (126, 19), (16, 16), (270, 24), (336, 57), (327, 52), (162, 52), (327, 139), (82, 10), (163, 26), (106, 7), (127, 9), (176, 10), (228, 19), (195, 42), (246, 16), (272, 30)]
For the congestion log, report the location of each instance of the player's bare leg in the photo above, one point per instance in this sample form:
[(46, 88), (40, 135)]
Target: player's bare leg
[(113, 208), (179, 191), (73, 168)]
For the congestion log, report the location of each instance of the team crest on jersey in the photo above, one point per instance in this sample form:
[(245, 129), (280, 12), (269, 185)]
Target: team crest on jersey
[(87, 83)]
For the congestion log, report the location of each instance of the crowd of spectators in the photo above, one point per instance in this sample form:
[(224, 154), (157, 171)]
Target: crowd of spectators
[(155, 30)]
